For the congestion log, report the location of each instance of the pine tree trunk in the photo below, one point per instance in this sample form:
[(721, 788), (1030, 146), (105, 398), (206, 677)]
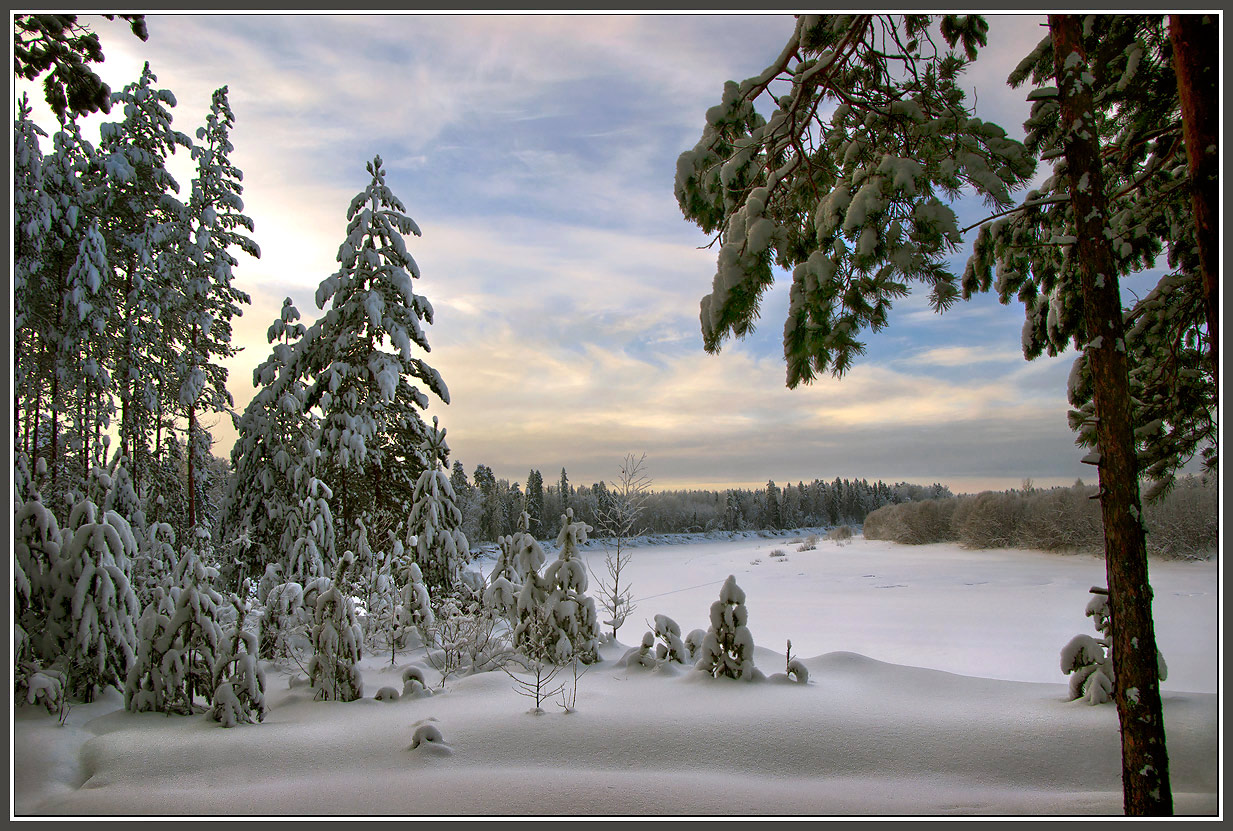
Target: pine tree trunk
[(1145, 763), (1196, 43)]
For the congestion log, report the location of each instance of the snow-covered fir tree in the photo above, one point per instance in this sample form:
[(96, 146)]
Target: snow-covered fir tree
[(415, 615), (308, 535), (727, 650), (271, 452), (36, 555), (435, 521), (371, 432), (73, 274), (670, 647)]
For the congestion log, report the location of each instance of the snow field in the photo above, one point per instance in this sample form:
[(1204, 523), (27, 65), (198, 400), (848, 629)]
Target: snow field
[(862, 737)]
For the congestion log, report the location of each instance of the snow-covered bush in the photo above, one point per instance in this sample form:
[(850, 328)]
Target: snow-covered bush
[(795, 669), (727, 650), (466, 637), (642, 655), (1089, 661), (45, 687), (693, 643), (333, 669)]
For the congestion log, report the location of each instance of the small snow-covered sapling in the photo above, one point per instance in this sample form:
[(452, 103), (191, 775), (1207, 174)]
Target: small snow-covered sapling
[(1089, 661)]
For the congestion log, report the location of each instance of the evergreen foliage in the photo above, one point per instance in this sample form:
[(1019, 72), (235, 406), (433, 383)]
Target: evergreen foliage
[(435, 521), (727, 649), (371, 434), (337, 641)]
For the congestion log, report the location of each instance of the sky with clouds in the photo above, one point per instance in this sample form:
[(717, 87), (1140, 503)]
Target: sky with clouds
[(537, 155)]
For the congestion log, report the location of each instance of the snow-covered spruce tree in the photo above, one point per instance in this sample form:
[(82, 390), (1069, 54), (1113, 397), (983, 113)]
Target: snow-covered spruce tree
[(501, 593), (414, 612), (283, 618), (573, 617), (93, 605), (383, 599), (337, 641), (151, 685), (371, 429), (308, 533), (535, 499), (33, 213), (239, 680), (435, 521), (727, 650), (270, 439), (32, 217), (77, 304)]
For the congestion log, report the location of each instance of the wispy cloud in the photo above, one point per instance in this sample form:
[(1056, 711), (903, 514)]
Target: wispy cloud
[(537, 154)]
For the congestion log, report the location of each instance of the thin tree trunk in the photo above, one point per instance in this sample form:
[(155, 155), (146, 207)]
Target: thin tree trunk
[(1196, 43), (192, 487), (1145, 762), (55, 422), (38, 405)]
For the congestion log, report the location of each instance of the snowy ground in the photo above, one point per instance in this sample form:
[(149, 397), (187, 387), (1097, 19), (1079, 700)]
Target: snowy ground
[(934, 689)]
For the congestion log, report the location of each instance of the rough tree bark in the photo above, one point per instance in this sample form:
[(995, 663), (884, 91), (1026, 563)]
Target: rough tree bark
[(1196, 43), (1145, 763)]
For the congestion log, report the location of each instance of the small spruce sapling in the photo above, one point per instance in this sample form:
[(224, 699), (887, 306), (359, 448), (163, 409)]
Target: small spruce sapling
[(572, 612), (239, 693), (670, 648), (1089, 661), (727, 650)]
